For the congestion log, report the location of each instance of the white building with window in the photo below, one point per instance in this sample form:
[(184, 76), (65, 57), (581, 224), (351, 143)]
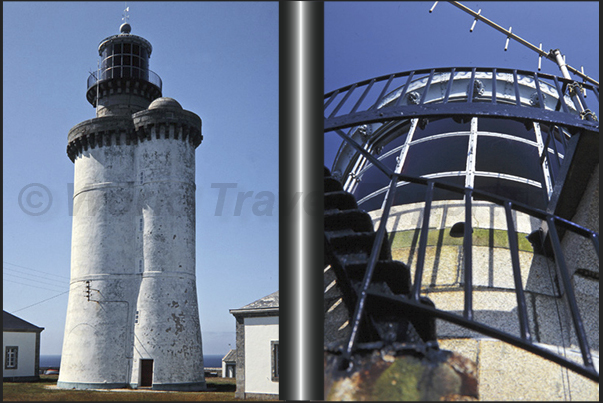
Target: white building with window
[(257, 352), (21, 346)]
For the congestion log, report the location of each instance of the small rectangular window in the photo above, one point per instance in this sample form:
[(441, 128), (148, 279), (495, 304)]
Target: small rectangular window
[(140, 265), (127, 48), (136, 49), (274, 360), (141, 177), (11, 357), (117, 48)]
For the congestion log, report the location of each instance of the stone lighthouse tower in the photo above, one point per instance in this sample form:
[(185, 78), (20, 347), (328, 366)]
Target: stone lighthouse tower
[(132, 316)]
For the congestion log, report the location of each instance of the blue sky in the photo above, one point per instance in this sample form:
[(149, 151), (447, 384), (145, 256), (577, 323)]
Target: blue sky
[(218, 60), (369, 39)]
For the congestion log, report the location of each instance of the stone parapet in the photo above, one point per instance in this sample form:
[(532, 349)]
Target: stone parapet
[(127, 130)]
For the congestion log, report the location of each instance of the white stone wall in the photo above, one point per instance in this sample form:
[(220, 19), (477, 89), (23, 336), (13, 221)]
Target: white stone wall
[(134, 242), (26, 358), (259, 332)]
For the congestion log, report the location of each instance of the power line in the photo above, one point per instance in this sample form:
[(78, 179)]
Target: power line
[(37, 303), (29, 285), (39, 271), (38, 278)]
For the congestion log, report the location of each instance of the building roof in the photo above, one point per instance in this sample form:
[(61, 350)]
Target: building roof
[(230, 356), (12, 323), (265, 305)]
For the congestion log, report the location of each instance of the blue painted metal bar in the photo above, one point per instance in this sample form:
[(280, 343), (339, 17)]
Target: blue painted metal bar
[(366, 91), (383, 92), (522, 312), (569, 292), (461, 109), (449, 87), (587, 372), (372, 262), (372, 159), (426, 89), (345, 98), (467, 257), (331, 98), (416, 288), (552, 137), (561, 102), (408, 80), (595, 238)]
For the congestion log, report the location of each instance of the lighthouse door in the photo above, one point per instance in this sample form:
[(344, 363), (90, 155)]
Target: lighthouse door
[(146, 372)]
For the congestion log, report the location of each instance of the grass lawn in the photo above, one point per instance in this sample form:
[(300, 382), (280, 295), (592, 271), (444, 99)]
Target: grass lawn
[(220, 389)]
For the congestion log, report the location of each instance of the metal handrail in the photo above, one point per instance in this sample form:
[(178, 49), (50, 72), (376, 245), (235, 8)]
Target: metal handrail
[(466, 320), (370, 105), (117, 72)]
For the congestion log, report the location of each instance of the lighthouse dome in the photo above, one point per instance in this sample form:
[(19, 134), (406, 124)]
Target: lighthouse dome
[(165, 103)]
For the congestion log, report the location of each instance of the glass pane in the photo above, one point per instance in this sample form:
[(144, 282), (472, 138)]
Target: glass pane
[(372, 180), (127, 48), (127, 60), (440, 155), (507, 126), (440, 126), (517, 191), (136, 49), (136, 61), (495, 154), (117, 48), (373, 203)]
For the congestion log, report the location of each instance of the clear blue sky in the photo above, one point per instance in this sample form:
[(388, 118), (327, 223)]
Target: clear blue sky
[(218, 60), (369, 39)]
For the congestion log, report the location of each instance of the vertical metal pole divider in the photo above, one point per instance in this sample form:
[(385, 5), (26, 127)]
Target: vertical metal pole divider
[(301, 229)]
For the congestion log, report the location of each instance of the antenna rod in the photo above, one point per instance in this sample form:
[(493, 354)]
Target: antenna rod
[(552, 55)]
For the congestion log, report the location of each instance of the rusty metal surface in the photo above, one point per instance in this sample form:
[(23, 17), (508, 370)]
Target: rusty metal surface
[(378, 375)]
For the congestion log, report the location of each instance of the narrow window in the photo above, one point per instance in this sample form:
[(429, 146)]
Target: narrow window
[(140, 225), (11, 357), (140, 265), (141, 177), (136, 317), (274, 360)]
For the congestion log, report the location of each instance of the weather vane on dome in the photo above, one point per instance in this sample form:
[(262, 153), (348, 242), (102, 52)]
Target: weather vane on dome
[(125, 14), (125, 27)]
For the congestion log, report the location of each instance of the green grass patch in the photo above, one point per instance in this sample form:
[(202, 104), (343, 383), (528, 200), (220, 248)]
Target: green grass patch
[(221, 389), (493, 238)]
